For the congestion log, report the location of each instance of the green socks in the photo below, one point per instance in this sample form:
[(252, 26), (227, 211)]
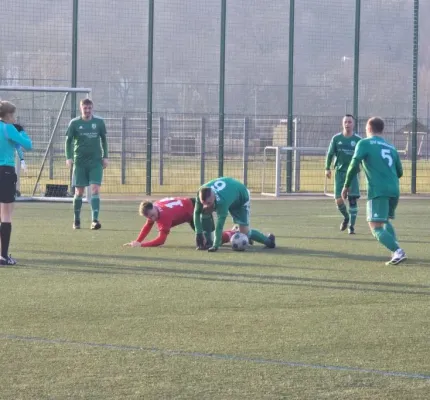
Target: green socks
[(342, 209), (77, 205), (257, 236), (390, 228), (353, 211), (384, 237), (95, 207)]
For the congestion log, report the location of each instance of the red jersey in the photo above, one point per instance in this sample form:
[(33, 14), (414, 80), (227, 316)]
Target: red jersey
[(172, 211)]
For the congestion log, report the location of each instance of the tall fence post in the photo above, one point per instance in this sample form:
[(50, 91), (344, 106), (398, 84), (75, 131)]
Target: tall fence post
[(290, 97), (149, 97), (74, 80), (202, 150), (296, 156), (161, 151), (51, 149), (222, 89), (245, 149), (415, 99), (123, 150), (357, 57)]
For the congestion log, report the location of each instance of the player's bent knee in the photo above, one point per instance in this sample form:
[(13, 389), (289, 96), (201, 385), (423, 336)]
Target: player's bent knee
[(6, 212), (352, 201), (244, 229), (95, 189), (79, 191), (339, 201), (375, 225)]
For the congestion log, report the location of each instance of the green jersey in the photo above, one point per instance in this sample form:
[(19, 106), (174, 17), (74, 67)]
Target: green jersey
[(230, 195), (83, 140), (381, 164), (342, 147)]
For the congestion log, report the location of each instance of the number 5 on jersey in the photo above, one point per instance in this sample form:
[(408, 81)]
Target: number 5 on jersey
[(386, 154)]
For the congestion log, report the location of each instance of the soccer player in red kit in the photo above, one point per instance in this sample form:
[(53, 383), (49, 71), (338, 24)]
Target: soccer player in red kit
[(168, 213)]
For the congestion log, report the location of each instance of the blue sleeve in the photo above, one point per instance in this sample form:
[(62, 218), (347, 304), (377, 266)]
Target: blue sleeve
[(19, 151), (20, 138)]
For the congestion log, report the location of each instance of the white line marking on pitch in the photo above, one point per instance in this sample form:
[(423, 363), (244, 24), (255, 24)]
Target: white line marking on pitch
[(224, 357)]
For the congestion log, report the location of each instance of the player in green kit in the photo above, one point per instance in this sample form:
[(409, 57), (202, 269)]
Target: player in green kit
[(383, 168), (87, 152), (342, 146), (224, 196)]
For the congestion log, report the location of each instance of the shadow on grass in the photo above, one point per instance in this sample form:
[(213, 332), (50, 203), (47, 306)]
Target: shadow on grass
[(106, 268), (358, 237), (144, 258)]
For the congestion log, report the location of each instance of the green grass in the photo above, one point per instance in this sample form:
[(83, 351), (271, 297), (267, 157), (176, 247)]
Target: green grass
[(321, 298)]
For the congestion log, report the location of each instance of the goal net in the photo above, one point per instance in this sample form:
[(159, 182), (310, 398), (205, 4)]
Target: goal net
[(45, 113)]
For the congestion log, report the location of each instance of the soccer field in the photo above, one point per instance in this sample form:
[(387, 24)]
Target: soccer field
[(319, 317)]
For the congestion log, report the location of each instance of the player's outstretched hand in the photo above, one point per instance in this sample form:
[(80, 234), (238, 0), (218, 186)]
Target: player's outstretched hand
[(69, 163), (23, 165), (212, 249), (134, 243), (328, 173), (200, 241), (105, 162), (18, 127)]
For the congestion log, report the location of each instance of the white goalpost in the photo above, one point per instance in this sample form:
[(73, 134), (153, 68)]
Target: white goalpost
[(46, 177), (307, 172)]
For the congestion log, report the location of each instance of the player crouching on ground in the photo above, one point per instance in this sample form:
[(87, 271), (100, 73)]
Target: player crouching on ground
[(168, 213), (383, 168), (224, 196)]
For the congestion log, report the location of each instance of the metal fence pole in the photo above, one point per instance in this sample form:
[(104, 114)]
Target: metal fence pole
[(245, 149), (74, 81), (161, 150), (51, 149), (123, 150), (290, 97), (222, 89), (202, 151), (74, 55), (149, 97), (357, 57), (415, 99)]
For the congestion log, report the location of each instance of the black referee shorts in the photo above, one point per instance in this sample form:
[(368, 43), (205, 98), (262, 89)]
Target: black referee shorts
[(8, 179)]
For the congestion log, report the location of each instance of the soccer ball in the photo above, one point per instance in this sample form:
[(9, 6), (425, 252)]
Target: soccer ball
[(239, 241)]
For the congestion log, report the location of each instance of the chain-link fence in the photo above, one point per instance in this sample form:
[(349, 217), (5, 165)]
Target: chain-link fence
[(341, 56)]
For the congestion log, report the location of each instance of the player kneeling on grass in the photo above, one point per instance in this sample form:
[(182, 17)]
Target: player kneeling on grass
[(224, 196), (168, 213), (383, 168)]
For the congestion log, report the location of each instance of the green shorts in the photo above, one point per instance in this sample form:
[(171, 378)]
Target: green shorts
[(339, 180), (85, 175), (381, 209), (241, 214)]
